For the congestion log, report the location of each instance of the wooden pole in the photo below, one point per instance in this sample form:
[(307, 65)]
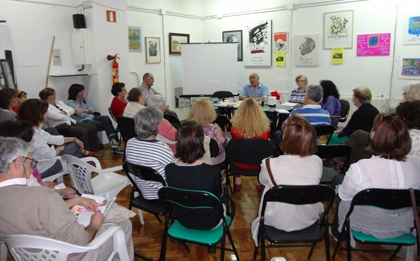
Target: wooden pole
[(49, 61)]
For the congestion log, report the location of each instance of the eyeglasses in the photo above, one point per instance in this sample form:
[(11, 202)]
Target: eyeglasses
[(33, 162), (405, 94)]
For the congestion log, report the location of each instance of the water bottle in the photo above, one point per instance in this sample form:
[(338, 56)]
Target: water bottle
[(238, 182)]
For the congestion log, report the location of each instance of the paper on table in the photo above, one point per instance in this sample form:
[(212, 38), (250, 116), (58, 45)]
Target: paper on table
[(282, 111), (289, 104)]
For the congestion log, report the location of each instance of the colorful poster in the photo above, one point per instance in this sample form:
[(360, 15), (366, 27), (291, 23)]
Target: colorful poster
[(337, 55), (412, 29), (257, 43), (411, 67), (281, 42), (280, 59), (373, 44)]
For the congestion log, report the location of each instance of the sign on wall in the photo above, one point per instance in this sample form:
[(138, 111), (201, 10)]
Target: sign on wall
[(257, 42), (373, 44), (111, 16)]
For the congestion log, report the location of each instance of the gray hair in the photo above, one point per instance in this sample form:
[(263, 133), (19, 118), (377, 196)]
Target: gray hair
[(413, 90), (10, 150), (314, 92), (156, 101), (134, 94), (146, 122)]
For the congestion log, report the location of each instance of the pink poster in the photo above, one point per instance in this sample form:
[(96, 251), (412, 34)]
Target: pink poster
[(373, 44)]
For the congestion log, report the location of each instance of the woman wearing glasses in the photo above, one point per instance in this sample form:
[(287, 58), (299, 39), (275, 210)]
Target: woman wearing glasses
[(298, 94), (35, 112), (59, 116), (390, 167)]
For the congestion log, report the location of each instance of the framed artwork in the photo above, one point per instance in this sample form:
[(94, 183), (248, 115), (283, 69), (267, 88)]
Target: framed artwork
[(409, 67), (412, 29), (6, 77), (281, 42), (234, 37), (134, 39), (258, 43), (308, 51), (338, 29), (373, 44), (152, 45), (175, 41)]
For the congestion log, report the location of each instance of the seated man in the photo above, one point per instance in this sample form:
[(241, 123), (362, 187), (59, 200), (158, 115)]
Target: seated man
[(40, 211), (254, 88)]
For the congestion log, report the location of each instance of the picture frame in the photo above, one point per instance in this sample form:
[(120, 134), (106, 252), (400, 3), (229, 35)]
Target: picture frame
[(338, 29), (134, 39), (409, 67), (175, 41), (258, 42), (152, 49), (306, 52), (234, 36), (412, 29), (6, 77)]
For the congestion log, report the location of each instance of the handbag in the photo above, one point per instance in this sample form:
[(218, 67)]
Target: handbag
[(267, 163)]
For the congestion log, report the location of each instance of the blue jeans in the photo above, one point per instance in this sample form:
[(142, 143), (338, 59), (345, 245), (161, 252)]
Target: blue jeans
[(69, 149), (103, 123)]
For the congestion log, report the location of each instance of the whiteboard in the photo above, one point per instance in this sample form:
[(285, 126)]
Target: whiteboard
[(209, 67)]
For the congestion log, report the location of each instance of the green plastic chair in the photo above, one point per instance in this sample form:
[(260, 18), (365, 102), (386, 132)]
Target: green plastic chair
[(117, 129), (196, 201), (381, 198)]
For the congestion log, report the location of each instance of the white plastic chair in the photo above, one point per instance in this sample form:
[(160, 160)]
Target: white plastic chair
[(3, 251), (42, 248), (106, 184), (58, 176)]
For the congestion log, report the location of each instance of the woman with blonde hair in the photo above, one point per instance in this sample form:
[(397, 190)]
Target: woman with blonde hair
[(203, 113), (298, 94), (412, 91), (249, 121)]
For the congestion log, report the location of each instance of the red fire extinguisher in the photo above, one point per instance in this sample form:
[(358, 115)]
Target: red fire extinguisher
[(115, 72)]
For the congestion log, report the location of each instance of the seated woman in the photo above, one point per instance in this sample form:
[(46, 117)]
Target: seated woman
[(8, 100), (84, 112), (22, 97), (390, 168), (59, 116), (35, 112), (298, 94), (146, 150), (165, 128), (412, 91), (136, 101), (330, 100), (203, 113), (118, 102), (190, 172), (298, 166), (362, 118)]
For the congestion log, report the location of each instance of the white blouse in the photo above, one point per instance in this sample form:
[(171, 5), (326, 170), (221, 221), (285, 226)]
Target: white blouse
[(56, 118)]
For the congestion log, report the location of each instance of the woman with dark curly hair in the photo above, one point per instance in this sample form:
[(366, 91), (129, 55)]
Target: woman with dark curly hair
[(330, 100), (119, 102), (8, 100)]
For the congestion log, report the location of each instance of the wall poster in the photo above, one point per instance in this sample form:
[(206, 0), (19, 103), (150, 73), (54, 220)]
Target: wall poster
[(373, 44), (257, 43), (409, 67), (281, 42), (338, 29), (134, 39), (308, 51), (412, 29)]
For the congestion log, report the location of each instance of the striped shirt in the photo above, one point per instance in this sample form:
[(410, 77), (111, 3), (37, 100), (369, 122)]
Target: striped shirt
[(314, 114), (297, 97), (150, 153)]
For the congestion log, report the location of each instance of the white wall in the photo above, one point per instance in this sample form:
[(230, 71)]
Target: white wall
[(33, 25)]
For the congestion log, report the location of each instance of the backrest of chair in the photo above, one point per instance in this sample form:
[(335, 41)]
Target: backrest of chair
[(223, 122), (172, 119), (249, 151), (126, 126), (333, 151), (222, 94), (142, 172), (111, 114), (324, 130), (80, 174), (299, 195), (383, 198), (345, 108)]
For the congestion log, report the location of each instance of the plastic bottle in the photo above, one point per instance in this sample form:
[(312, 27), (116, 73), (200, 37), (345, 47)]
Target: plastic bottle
[(238, 182)]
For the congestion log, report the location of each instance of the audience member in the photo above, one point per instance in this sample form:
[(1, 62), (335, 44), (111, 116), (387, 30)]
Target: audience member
[(254, 88), (84, 112), (298, 94), (412, 91), (362, 118), (118, 102), (330, 100), (8, 100), (40, 211), (59, 116), (22, 96), (203, 113), (147, 151), (136, 100), (390, 168), (297, 167)]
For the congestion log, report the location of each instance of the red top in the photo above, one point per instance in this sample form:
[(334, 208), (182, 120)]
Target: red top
[(117, 107), (236, 135)]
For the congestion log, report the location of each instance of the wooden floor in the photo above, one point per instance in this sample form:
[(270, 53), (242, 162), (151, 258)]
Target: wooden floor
[(147, 238)]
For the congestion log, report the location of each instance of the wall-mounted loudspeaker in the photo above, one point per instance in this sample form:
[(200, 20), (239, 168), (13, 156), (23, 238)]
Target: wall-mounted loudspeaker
[(79, 21)]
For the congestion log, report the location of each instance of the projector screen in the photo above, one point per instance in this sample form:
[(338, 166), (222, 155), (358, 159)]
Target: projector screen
[(209, 67)]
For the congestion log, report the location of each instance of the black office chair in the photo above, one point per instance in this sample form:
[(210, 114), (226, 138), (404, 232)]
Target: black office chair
[(296, 195), (345, 108), (325, 130), (385, 199), (195, 201), (222, 94), (223, 111), (152, 206), (328, 152), (223, 122), (246, 151), (126, 126)]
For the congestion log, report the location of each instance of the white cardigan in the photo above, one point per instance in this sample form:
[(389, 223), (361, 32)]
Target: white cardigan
[(56, 118)]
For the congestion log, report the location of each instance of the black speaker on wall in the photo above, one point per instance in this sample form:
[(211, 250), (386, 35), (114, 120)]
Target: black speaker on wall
[(79, 21)]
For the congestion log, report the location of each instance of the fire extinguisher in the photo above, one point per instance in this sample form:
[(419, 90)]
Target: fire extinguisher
[(115, 71)]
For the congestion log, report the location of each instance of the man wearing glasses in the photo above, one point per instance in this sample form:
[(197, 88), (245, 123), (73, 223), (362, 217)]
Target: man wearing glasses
[(39, 210)]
